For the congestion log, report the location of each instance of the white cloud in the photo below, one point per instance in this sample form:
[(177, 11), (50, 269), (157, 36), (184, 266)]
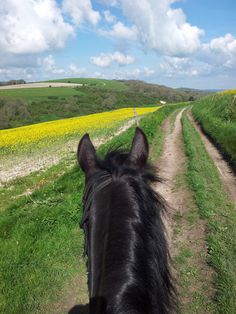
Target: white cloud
[(106, 59), (220, 51), (15, 73), (179, 67), (120, 31), (32, 26), (133, 74), (48, 64), (81, 11), (162, 28), (109, 17), (148, 72), (73, 69)]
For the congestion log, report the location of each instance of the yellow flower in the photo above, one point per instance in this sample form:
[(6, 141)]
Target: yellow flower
[(50, 131)]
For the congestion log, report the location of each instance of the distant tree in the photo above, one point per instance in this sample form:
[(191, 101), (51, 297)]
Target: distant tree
[(12, 110)]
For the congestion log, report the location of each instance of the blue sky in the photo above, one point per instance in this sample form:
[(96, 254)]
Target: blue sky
[(176, 43)]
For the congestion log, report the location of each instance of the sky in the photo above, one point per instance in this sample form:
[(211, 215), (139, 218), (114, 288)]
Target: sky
[(185, 43)]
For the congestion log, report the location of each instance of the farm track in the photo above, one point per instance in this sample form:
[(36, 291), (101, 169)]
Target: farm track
[(196, 293), (226, 174), (21, 166), (183, 235), (171, 165)]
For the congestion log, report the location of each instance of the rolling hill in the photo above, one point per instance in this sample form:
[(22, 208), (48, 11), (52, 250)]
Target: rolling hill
[(24, 106)]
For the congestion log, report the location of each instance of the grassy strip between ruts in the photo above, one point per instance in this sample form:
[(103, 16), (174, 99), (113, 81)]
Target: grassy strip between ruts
[(41, 242), (216, 208)]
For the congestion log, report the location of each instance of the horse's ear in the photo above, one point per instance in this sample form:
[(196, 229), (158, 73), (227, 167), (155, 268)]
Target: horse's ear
[(139, 150), (86, 154)]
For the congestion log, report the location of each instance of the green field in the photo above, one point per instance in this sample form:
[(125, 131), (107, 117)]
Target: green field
[(35, 94)]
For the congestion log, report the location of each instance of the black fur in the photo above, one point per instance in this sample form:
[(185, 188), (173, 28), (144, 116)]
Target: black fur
[(128, 258)]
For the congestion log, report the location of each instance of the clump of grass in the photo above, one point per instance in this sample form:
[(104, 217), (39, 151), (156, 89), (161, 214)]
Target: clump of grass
[(218, 211)]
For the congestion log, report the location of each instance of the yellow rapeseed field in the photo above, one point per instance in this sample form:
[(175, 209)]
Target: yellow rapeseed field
[(49, 131), (229, 91)]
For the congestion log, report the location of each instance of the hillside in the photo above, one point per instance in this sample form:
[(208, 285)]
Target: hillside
[(24, 106)]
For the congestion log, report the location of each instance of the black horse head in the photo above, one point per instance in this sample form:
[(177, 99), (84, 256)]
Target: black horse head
[(128, 258)]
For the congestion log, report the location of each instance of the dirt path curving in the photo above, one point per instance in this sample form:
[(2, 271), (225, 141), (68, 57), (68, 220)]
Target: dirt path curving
[(186, 231), (227, 176)]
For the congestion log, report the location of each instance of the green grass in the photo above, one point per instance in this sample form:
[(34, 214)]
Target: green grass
[(34, 94), (220, 216), (41, 243), (217, 116)]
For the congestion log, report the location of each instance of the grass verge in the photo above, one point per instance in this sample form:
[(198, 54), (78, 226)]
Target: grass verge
[(217, 117), (218, 211)]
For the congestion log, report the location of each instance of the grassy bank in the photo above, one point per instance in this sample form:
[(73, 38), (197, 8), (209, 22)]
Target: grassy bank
[(41, 242), (217, 116), (219, 213)]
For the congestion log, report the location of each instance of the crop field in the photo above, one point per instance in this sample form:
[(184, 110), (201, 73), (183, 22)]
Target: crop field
[(98, 83), (49, 132), (229, 92)]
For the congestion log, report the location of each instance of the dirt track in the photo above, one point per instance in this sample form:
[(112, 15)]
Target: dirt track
[(181, 234), (172, 167)]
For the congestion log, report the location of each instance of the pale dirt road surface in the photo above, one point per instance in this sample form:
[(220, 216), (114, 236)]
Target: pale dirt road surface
[(40, 85)]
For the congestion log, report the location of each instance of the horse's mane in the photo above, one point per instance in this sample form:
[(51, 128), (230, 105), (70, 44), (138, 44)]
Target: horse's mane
[(148, 265)]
